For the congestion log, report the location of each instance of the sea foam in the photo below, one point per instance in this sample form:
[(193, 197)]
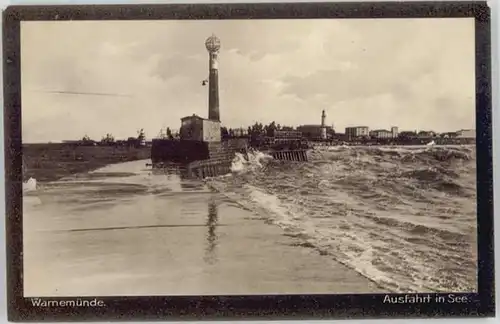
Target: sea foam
[(253, 161), (29, 185), (385, 212)]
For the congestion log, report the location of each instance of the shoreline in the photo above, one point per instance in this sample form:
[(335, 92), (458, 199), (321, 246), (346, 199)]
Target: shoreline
[(52, 162), (370, 144)]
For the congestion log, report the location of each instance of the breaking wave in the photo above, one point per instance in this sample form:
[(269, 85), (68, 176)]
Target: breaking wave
[(403, 217), (252, 162)]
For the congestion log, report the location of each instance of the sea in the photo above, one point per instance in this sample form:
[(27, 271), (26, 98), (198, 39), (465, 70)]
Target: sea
[(402, 216)]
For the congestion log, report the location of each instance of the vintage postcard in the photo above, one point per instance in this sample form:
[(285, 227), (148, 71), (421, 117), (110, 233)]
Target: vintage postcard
[(212, 161)]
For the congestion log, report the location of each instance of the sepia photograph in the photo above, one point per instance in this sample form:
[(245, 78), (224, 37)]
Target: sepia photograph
[(247, 157)]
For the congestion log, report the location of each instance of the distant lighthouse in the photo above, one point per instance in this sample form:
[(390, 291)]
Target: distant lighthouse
[(323, 125), (213, 45)]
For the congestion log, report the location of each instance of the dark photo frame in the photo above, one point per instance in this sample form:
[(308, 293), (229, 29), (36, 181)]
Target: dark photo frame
[(262, 307)]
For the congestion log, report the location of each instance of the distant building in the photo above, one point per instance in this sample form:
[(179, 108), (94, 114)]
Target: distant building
[(407, 134), (356, 132), (426, 134), (381, 133), (339, 136), (324, 134), (466, 133), (394, 131), (315, 131), (287, 134), (448, 135), (196, 128)]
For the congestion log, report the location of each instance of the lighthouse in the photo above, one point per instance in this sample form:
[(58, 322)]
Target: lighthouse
[(323, 126), (213, 46)]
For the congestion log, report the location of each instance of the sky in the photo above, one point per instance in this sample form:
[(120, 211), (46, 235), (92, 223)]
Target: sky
[(98, 77)]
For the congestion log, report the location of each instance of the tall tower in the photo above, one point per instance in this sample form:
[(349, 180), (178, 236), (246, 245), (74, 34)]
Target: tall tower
[(213, 45), (323, 125), (394, 131)]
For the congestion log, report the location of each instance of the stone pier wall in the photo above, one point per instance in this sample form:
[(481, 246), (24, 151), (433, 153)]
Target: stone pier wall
[(227, 149), (208, 168), (210, 159), (221, 156), (165, 150), (222, 165), (177, 151)]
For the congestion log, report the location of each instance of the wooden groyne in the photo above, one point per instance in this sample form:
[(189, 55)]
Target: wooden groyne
[(292, 155)]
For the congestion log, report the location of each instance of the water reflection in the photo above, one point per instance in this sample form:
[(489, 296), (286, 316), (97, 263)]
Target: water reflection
[(188, 183), (170, 169), (212, 238)]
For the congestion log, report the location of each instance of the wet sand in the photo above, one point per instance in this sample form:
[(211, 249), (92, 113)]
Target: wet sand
[(184, 242)]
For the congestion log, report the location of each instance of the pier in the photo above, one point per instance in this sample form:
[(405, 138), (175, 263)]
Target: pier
[(217, 167), (203, 152)]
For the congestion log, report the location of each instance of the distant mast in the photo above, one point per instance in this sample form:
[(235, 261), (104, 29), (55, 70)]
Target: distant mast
[(163, 133)]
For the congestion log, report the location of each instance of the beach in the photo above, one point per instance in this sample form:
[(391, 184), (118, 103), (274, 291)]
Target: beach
[(52, 161), (125, 230)]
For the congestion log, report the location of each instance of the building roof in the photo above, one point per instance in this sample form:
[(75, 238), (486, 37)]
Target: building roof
[(315, 126), (194, 116), (357, 127), (381, 130), (199, 118)]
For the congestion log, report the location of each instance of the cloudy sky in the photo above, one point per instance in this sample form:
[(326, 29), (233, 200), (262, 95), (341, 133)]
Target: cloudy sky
[(417, 74)]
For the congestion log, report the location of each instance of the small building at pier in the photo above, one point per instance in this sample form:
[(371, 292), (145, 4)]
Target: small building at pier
[(196, 128)]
